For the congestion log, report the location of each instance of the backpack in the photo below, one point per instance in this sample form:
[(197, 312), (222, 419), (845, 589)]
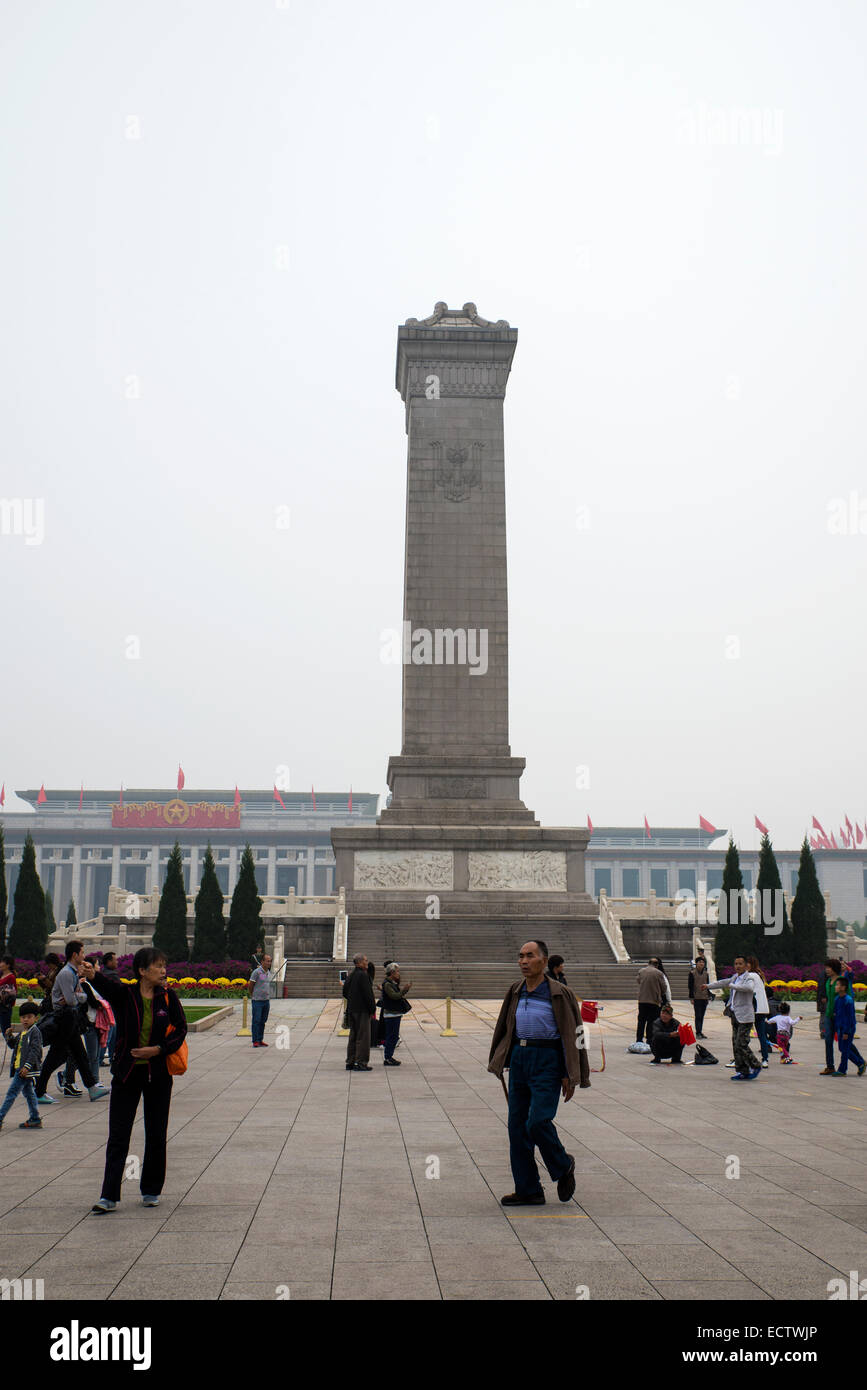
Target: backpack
[(703, 1058)]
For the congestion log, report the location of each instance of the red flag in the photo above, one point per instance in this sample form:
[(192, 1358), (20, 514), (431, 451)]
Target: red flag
[(278, 797), (3, 795), (842, 834), (647, 829), (817, 826), (41, 798), (313, 794), (121, 793), (859, 836), (350, 799), (834, 844), (181, 778), (706, 825), (237, 798), (759, 826), (81, 796), (590, 825), (812, 842)]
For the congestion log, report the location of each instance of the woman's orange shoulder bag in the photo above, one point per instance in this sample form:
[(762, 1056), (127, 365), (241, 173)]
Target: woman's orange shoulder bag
[(176, 1062)]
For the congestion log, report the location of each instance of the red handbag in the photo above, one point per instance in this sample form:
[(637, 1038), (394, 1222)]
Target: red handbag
[(686, 1035)]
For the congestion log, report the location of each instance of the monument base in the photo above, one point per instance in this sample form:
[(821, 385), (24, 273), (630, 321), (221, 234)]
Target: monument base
[(455, 790)]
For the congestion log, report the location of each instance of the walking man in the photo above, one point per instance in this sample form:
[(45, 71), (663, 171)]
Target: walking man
[(66, 996), (361, 1008), (259, 985), (539, 1037), (742, 987), (844, 1026), (651, 997)]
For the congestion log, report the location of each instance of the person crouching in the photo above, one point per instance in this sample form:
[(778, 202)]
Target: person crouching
[(665, 1037)]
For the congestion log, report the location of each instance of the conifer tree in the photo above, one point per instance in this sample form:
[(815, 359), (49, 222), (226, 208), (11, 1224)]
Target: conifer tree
[(734, 934), (170, 931), (50, 923), (209, 941), (771, 944), (28, 937), (809, 928), (245, 924)]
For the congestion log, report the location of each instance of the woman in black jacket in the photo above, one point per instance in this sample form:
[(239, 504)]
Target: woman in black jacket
[(144, 1013)]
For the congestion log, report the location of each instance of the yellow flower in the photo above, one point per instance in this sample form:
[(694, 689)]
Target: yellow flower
[(796, 984), (810, 984), (221, 980), (860, 987), (778, 984), (187, 981), (170, 980), (240, 981), (204, 981)]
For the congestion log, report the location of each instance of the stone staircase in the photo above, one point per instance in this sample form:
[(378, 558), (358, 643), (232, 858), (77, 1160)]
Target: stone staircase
[(477, 961)]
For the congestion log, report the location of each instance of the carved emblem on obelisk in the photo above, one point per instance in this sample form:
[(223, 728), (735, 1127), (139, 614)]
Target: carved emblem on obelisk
[(456, 476)]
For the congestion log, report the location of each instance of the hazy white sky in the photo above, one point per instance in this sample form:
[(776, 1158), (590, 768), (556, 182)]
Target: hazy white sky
[(216, 216)]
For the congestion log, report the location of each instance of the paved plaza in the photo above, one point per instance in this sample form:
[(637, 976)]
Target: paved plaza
[(290, 1177)]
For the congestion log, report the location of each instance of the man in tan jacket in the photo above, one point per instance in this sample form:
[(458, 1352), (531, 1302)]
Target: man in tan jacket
[(539, 1037)]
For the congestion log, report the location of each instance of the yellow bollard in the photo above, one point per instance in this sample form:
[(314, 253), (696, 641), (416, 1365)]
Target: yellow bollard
[(343, 1032), (448, 1031), (244, 1031)]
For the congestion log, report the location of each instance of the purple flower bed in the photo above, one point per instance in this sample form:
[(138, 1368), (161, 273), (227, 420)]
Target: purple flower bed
[(787, 973), (233, 969)]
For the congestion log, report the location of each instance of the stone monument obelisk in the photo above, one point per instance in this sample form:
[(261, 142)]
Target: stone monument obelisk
[(456, 826)]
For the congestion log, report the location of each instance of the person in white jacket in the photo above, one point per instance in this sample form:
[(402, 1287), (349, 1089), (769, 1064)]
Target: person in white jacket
[(762, 1007), (742, 991)]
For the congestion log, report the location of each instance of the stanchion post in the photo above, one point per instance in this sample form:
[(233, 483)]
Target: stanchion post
[(342, 1031), (244, 1031), (448, 1031)]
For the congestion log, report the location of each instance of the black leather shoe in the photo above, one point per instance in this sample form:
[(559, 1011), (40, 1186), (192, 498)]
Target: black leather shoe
[(359, 1066), (515, 1199), (566, 1184), (390, 1062), (350, 1066)]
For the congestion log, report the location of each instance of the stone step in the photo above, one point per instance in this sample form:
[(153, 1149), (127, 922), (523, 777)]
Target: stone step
[(483, 980)]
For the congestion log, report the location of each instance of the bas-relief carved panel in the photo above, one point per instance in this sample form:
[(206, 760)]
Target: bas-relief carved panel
[(457, 788), (540, 870), (423, 868)]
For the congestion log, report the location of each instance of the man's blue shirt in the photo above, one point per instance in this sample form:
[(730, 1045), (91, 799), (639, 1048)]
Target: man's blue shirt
[(535, 1016)]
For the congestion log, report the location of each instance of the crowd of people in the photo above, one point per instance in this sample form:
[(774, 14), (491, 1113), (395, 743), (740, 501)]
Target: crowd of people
[(751, 1004), (89, 1017)]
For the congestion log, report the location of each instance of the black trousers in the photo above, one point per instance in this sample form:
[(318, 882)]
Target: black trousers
[(646, 1015), (122, 1107), (667, 1047), (700, 1007), (67, 1043)]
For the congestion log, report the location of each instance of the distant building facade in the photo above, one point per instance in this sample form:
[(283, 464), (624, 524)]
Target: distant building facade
[(80, 853), (623, 863)]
